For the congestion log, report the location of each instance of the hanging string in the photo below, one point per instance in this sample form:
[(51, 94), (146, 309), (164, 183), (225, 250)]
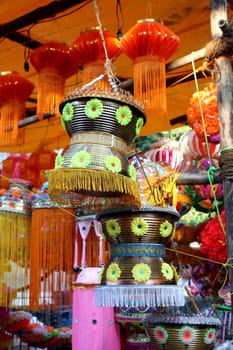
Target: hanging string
[(119, 27), (211, 168)]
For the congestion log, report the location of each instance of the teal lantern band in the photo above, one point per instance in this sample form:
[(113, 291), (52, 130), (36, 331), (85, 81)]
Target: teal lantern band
[(138, 250)]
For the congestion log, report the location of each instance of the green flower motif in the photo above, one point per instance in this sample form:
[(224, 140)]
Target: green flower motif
[(187, 335), (113, 164), (161, 334), (113, 228), (63, 123), (113, 272), (132, 172), (94, 108), (81, 159), (141, 272), (123, 115), (59, 161), (139, 125), (139, 226), (167, 271), (210, 336), (165, 229), (68, 112)]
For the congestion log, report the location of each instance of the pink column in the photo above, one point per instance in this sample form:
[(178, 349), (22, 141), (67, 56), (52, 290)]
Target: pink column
[(93, 328)]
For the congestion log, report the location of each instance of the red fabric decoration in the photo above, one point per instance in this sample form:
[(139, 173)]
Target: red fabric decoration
[(89, 53), (208, 99), (14, 91), (213, 239), (55, 63)]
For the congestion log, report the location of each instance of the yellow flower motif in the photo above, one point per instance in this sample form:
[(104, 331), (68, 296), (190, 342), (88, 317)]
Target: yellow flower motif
[(167, 271), (68, 112), (113, 272), (81, 159), (166, 229), (132, 172), (59, 161), (94, 108), (141, 272), (113, 164), (113, 228), (123, 115), (139, 125), (139, 226)]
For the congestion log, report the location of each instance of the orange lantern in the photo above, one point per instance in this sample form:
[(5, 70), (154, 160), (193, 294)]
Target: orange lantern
[(14, 91), (54, 63), (149, 44), (89, 52)]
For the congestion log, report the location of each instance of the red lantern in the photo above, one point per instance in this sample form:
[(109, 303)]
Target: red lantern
[(89, 53), (14, 91), (54, 63), (149, 44)]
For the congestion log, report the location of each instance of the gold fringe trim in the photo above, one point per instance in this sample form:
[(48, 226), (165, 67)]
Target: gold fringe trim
[(92, 182)]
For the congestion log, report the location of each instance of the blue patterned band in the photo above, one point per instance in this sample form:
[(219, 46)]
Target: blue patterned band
[(138, 249)]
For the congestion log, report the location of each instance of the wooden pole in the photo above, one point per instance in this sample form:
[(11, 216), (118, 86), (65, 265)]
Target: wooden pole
[(224, 81)]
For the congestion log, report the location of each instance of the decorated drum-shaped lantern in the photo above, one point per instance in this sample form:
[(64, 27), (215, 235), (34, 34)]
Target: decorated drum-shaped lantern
[(94, 173)]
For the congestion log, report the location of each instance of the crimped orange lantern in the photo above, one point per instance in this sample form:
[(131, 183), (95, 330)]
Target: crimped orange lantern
[(14, 91), (149, 44), (89, 52), (54, 63)]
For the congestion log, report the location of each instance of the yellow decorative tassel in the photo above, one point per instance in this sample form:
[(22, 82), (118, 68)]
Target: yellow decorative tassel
[(14, 259)]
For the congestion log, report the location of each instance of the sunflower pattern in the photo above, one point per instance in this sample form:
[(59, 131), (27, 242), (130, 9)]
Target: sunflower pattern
[(132, 172), (113, 272), (123, 115), (187, 335), (59, 161), (141, 272), (167, 271), (113, 164), (139, 125), (139, 226), (113, 228), (161, 334), (210, 336), (68, 112), (94, 108), (166, 229), (81, 160)]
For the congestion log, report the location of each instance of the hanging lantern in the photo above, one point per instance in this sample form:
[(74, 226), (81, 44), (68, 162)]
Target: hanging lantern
[(149, 44), (14, 92), (15, 224), (89, 52), (54, 63), (51, 263)]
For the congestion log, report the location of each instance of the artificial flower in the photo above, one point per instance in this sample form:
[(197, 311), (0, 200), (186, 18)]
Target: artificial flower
[(210, 336), (161, 334), (139, 226), (94, 108), (139, 125), (63, 123), (166, 229), (141, 272), (187, 335), (59, 161), (16, 193), (113, 272), (167, 271), (68, 112), (123, 115), (81, 159), (132, 172), (213, 239), (113, 164), (113, 228)]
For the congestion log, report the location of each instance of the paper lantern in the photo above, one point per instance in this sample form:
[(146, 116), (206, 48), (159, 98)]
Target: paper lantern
[(149, 44), (54, 63), (14, 92), (89, 52), (15, 224), (51, 250)]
